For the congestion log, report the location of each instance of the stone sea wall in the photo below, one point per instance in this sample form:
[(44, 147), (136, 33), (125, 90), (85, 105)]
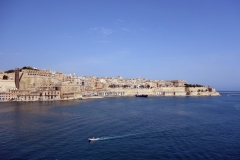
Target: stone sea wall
[(163, 91)]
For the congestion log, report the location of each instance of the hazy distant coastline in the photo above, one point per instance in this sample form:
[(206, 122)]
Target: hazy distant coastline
[(236, 92)]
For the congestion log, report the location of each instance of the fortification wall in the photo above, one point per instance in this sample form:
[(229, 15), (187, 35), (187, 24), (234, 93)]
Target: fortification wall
[(196, 89), (201, 91), (27, 82), (5, 85), (131, 92), (167, 91), (11, 76), (170, 89)]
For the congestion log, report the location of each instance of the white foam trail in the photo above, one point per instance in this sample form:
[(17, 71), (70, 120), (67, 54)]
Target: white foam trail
[(136, 135), (124, 136), (113, 137)]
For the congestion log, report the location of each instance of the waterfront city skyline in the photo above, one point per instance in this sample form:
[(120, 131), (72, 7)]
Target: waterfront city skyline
[(196, 41)]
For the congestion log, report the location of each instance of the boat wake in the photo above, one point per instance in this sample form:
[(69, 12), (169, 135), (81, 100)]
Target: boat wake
[(136, 135), (115, 137), (153, 134)]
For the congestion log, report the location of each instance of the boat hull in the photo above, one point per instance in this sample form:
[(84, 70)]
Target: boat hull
[(92, 139), (141, 95)]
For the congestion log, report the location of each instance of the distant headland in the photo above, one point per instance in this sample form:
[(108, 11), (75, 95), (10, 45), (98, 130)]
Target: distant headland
[(32, 84)]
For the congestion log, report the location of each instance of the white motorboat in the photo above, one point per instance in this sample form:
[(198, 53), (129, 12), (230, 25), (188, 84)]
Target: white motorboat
[(92, 139)]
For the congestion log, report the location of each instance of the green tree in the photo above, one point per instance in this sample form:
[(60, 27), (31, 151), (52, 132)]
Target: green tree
[(5, 77), (10, 71)]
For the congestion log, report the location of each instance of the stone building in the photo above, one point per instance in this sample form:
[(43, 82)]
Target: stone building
[(69, 91), (39, 96), (178, 83), (5, 96)]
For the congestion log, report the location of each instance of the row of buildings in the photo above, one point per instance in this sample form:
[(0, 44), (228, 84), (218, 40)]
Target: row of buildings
[(32, 84)]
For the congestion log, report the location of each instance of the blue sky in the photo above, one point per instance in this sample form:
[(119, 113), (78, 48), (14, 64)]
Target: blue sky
[(195, 40)]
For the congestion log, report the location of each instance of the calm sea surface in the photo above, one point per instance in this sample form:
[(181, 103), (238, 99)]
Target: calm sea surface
[(128, 128)]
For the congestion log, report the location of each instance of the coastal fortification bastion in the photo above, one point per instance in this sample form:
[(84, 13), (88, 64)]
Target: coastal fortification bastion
[(31, 84)]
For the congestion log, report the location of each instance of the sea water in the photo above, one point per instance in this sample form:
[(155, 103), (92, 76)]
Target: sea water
[(126, 128)]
